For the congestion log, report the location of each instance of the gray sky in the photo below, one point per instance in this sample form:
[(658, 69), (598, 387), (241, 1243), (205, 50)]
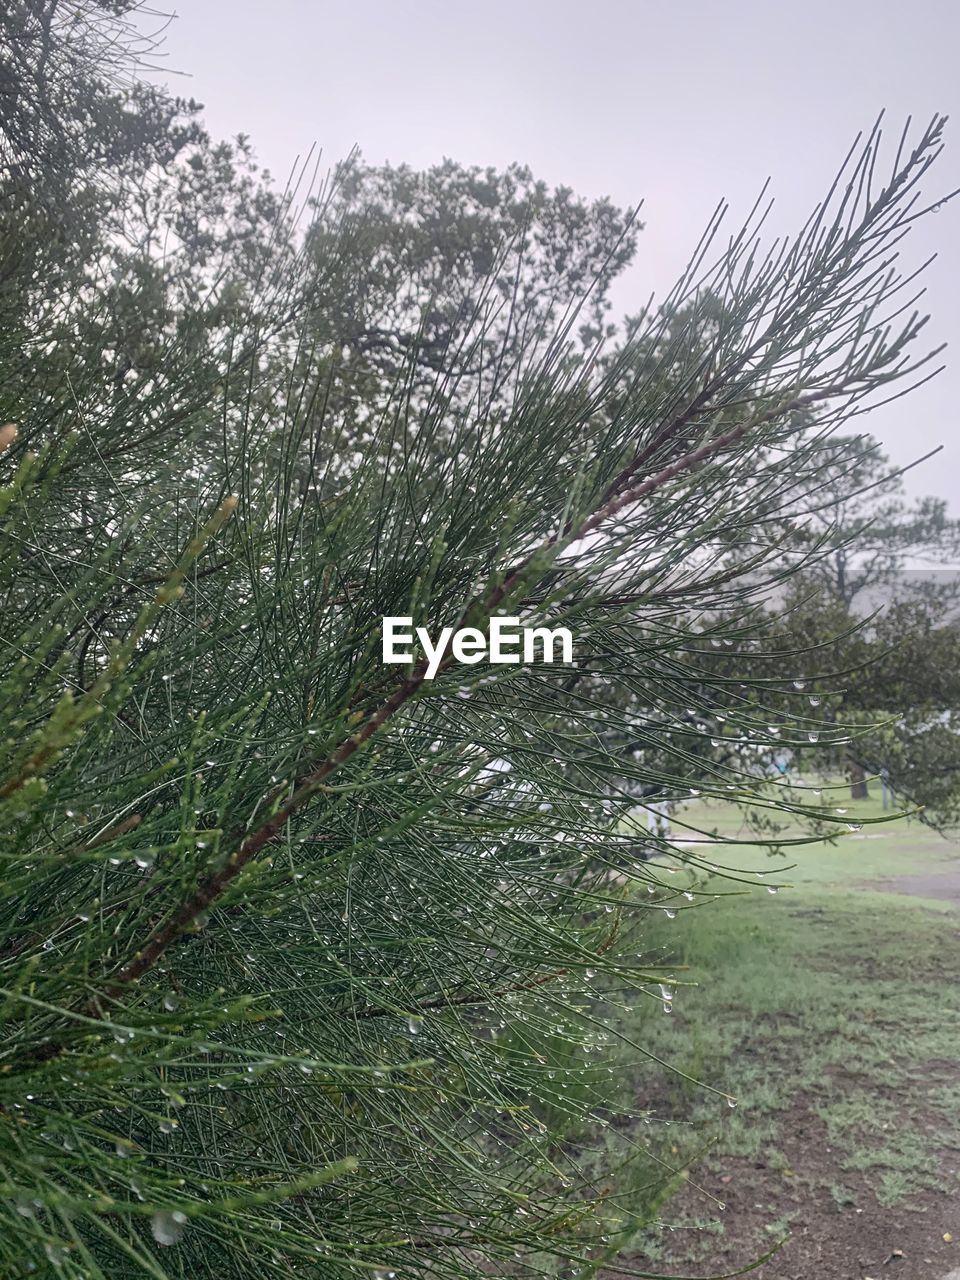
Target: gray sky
[(675, 103)]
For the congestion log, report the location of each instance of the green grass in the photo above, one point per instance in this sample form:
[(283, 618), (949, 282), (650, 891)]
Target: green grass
[(836, 1001)]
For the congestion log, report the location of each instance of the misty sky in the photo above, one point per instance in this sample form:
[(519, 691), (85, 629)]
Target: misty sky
[(676, 104)]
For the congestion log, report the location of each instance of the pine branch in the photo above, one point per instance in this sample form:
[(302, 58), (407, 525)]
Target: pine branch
[(207, 895), (486, 997)]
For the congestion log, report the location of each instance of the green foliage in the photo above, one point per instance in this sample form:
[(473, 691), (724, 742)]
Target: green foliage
[(886, 686), (304, 963), (865, 533)]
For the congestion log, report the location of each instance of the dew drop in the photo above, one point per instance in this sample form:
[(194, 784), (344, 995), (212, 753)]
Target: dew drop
[(56, 1254), (167, 1226), (414, 1025)]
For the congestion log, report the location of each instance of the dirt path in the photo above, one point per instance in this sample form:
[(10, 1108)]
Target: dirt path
[(942, 885)]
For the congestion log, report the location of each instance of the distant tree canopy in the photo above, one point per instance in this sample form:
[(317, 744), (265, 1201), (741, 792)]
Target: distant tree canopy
[(79, 136), (851, 545), (866, 534), (878, 600), (307, 963)]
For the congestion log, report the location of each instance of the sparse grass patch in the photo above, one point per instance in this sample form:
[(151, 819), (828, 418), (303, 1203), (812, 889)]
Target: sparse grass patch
[(831, 1011)]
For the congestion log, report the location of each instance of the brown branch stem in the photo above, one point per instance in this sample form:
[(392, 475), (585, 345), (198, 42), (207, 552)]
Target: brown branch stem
[(215, 886)]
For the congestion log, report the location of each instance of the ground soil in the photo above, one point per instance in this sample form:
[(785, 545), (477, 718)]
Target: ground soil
[(942, 885), (857, 1240), (853, 1239)]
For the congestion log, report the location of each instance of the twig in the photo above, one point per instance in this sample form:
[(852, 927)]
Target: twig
[(209, 892), (482, 997)]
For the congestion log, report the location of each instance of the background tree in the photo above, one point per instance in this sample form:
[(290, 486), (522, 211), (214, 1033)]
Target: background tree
[(875, 559), (286, 988), (80, 137), (149, 237), (888, 682), (866, 535)]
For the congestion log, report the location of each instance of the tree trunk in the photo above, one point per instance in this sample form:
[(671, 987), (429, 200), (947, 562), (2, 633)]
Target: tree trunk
[(858, 781)]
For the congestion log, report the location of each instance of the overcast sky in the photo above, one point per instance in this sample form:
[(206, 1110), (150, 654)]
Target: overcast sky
[(676, 104)]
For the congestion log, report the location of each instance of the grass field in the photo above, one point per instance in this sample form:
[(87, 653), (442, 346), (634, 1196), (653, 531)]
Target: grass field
[(831, 1011)]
